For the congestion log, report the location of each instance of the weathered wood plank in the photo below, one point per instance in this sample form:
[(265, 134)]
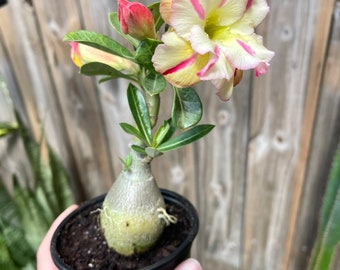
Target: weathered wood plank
[(315, 72), (276, 132), (21, 20), (77, 96), (326, 136), (33, 91), (112, 94)]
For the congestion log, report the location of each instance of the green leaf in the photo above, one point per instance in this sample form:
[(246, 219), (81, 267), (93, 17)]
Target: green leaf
[(113, 18), (161, 133), (328, 238), (187, 108), (138, 149), (33, 217), (139, 112), (14, 237), (127, 162), (185, 138), (95, 68), (98, 41), (153, 83), (145, 51), (60, 182), (154, 8), (8, 210), (170, 132), (6, 262), (7, 128), (129, 129)]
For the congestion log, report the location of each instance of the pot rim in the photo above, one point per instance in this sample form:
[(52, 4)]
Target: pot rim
[(169, 196)]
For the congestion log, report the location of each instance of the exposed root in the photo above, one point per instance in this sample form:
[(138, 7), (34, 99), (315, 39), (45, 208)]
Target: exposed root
[(98, 217), (104, 210), (168, 219)]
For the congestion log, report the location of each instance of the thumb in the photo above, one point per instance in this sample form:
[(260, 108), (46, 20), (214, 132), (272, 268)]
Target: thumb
[(189, 264)]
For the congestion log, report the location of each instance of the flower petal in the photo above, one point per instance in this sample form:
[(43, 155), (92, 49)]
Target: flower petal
[(230, 12), (176, 60), (165, 10), (225, 88), (256, 11), (200, 40), (187, 13), (261, 69), (246, 52), (217, 68)]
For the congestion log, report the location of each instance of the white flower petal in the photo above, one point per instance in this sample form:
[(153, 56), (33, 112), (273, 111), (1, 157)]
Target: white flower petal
[(230, 12), (176, 60), (225, 88), (246, 52), (253, 16), (200, 40), (218, 67)]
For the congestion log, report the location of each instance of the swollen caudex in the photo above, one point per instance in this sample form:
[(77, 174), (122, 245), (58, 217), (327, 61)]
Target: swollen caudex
[(133, 214)]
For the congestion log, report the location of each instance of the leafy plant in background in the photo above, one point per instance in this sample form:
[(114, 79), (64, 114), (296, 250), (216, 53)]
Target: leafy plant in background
[(28, 211), (328, 239)]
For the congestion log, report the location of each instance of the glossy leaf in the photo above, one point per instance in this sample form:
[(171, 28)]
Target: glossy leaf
[(153, 83), (129, 129), (145, 51), (154, 8), (185, 138), (170, 132), (187, 108), (161, 133), (139, 112), (113, 18), (95, 68), (138, 149), (98, 41)]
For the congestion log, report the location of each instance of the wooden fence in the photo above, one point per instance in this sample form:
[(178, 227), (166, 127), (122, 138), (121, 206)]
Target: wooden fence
[(257, 180)]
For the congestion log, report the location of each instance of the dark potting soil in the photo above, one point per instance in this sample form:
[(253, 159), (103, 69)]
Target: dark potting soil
[(82, 244)]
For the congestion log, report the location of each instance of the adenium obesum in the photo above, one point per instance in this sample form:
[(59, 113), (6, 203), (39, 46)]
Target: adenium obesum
[(203, 40)]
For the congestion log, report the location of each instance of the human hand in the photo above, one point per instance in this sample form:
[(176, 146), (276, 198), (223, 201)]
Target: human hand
[(44, 259), (189, 264)]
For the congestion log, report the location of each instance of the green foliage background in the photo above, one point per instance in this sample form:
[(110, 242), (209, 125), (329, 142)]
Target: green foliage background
[(27, 211)]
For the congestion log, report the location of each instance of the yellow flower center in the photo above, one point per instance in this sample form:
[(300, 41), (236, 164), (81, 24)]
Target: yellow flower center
[(213, 29)]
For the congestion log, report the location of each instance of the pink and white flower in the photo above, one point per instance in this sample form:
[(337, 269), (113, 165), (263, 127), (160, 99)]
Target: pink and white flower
[(211, 40)]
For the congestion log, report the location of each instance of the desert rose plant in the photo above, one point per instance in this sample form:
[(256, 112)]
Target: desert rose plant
[(178, 43)]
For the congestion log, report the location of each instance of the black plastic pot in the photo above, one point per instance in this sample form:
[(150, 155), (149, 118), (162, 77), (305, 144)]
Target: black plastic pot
[(181, 252), (3, 2)]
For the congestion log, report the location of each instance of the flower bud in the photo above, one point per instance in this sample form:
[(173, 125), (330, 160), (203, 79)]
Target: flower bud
[(136, 20), (82, 54)]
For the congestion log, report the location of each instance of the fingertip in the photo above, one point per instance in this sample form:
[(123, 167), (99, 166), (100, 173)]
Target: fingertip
[(189, 264)]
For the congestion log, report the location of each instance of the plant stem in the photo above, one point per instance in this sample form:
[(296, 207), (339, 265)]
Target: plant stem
[(152, 102)]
